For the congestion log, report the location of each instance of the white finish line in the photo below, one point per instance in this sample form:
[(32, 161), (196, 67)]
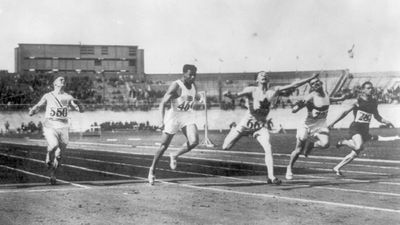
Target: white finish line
[(42, 176), (289, 198)]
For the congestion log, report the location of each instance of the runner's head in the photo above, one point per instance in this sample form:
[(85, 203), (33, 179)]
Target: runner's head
[(367, 88), (59, 82), (316, 84), (189, 73), (262, 77)]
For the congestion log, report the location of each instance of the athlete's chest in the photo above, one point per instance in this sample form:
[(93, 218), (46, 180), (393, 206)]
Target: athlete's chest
[(320, 101), (366, 106), (261, 100), (58, 100), (364, 111), (318, 107)]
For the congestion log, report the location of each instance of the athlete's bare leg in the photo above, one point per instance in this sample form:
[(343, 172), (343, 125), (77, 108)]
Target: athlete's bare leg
[(57, 155), (308, 146), (192, 135), (357, 145), (50, 158), (230, 140), (165, 141), (294, 156), (323, 140), (264, 139)]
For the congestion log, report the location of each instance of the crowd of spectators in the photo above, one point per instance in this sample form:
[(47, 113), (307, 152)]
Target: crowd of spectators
[(132, 125), (386, 96), (123, 93), (30, 127), (19, 92)]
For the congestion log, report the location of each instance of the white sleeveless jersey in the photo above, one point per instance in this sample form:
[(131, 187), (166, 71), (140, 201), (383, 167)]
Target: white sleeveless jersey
[(186, 100), (57, 106), (317, 110), (260, 103), (258, 109)]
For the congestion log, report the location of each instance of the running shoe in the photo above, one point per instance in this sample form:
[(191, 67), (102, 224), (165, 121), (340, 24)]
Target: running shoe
[(337, 172), (276, 181), (53, 180), (289, 175)]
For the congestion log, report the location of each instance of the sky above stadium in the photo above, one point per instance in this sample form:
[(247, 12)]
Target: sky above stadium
[(216, 35)]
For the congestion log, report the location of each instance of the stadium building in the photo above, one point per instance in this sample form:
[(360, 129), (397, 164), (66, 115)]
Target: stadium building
[(76, 59)]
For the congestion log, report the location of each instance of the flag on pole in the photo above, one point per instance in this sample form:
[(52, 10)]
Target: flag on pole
[(350, 52)]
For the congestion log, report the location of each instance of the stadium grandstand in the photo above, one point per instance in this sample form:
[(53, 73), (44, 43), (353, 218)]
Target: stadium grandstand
[(112, 77)]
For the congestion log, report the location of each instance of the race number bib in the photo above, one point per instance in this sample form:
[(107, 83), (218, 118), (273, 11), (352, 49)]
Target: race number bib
[(316, 114), (362, 117), (185, 106), (59, 112), (254, 124)]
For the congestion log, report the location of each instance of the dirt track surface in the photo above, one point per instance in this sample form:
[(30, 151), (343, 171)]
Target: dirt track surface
[(106, 184), (169, 204)]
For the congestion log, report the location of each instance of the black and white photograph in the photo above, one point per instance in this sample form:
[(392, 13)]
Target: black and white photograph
[(203, 112)]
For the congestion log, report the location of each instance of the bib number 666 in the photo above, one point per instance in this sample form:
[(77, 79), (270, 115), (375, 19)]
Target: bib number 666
[(252, 124)]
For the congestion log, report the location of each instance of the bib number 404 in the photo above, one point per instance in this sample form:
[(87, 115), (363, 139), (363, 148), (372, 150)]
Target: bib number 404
[(185, 106)]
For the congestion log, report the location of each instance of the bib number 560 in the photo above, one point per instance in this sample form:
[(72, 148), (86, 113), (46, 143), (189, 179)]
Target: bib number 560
[(59, 112)]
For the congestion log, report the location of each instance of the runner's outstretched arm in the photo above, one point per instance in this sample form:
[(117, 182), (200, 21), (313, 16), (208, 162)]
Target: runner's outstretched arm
[(296, 84), (342, 115), (35, 108), (246, 92)]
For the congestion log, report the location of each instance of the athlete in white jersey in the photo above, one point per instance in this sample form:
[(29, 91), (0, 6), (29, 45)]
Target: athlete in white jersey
[(259, 100), (313, 132), (55, 125), (181, 94)]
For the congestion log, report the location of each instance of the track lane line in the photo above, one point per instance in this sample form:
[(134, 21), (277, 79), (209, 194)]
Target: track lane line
[(214, 151), (195, 164), (42, 176), (292, 199), (273, 196), (225, 177), (255, 163)]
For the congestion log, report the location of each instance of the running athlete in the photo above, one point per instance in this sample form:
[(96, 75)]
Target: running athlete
[(364, 107), (55, 125), (314, 132), (259, 99), (181, 94)]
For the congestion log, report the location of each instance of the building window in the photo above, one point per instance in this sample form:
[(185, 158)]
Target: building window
[(104, 50), (97, 62), (132, 62), (132, 51), (87, 50)]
